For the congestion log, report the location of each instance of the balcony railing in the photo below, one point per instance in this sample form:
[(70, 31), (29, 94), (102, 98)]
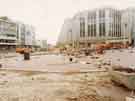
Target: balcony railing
[(8, 38)]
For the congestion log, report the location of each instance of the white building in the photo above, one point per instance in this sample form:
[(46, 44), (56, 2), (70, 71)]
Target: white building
[(42, 44), (29, 36), (13, 33), (8, 33), (128, 23), (21, 33), (94, 26), (26, 35)]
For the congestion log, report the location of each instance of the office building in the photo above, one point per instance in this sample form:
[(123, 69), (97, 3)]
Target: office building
[(128, 24), (14, 34), (101, 25), (8, 33), (26, 35)]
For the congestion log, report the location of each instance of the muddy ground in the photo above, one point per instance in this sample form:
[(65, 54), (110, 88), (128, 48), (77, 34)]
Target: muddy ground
[(67, 86), (54, 78)]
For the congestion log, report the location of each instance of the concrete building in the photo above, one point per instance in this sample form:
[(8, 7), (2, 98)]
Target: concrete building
[(14, 34), (21, 33), (42, 44), (30, 36), (128, 23), (26, 35), (94, 26), (8, 33)]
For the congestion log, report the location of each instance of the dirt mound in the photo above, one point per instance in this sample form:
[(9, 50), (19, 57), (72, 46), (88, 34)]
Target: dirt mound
[(90, 98)]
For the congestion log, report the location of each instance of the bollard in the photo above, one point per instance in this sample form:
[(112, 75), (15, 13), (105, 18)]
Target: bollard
[(26, 56), (70, 59)]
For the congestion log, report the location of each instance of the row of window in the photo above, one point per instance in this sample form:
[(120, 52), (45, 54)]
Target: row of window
[(92, 30), (92, 16), (8, 28), (114, 13), (82, 29), (101, 13), (115, 34), (102, 29), (7, 41), (114, 30)]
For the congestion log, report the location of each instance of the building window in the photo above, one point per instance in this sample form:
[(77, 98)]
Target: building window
[(101, 13), (92, 17), (82, 27), (88, 30), (94, 29), (102, 29)]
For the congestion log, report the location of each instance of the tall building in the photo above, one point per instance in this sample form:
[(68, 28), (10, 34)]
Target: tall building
[(30, 36), (26, 35), (128, 23), (14, 34), (8, 33), (42, 44), (21, 33), (94, 26)]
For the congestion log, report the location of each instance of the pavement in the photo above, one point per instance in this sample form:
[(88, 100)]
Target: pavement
[(46, 63), (123, 57), (61, 63)]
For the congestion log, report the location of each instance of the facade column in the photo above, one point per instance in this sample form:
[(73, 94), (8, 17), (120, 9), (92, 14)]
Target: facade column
[(86, 30), (107, 26), (97, 23)]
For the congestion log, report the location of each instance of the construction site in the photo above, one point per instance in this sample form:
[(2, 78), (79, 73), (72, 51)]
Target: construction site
[(63, 75), (91, 60)]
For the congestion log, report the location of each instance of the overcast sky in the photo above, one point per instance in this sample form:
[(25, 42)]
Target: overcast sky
[(47, 16)]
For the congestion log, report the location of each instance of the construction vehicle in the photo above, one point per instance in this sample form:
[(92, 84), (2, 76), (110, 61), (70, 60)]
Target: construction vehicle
[(105, 46), (23, 50), (108, 46)]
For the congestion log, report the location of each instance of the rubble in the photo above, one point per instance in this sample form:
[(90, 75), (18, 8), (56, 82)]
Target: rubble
[(94, 57), (123, 76), (123, 69), (82, 78), (130, 98), (85, 62), (90, 98)]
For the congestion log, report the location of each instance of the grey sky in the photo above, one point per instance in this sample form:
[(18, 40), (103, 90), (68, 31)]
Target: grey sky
[(47, 16)]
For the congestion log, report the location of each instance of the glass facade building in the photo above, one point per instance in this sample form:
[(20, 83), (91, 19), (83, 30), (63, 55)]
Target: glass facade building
[(95, 26)]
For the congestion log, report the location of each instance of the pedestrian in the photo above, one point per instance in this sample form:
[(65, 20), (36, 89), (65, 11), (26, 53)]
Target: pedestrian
[(70, 59)]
